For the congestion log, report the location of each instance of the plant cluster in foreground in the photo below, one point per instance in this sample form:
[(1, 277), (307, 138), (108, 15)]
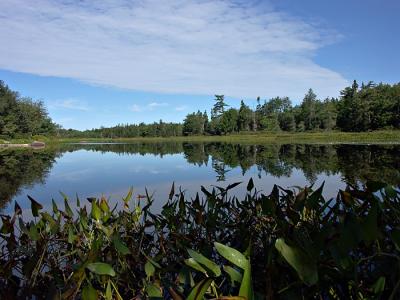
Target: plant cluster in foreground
[(285, 245)]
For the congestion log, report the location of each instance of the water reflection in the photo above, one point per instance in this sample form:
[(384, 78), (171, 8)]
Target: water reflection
[(85, 168)]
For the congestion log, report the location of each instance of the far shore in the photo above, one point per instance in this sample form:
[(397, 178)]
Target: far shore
[(329, 137)]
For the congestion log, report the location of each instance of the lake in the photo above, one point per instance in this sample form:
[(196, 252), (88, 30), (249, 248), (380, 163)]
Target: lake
[(92, 170)]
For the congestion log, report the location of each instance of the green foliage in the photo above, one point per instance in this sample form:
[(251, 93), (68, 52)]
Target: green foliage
[(278, 245), (195, 123), (369, 107), (365, 108), (22, 116)]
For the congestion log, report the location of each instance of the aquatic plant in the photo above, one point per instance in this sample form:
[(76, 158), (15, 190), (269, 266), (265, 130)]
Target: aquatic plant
[(289, 244)]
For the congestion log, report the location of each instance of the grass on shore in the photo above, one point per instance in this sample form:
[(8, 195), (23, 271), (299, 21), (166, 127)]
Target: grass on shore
[(381, 136)]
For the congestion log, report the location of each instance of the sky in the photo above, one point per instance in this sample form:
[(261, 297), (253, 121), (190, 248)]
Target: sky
[(102, 63)]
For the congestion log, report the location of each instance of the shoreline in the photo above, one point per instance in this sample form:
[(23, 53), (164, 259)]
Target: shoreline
[(333, 137)]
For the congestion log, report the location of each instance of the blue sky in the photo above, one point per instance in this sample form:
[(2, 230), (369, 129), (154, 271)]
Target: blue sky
[(140, 61)]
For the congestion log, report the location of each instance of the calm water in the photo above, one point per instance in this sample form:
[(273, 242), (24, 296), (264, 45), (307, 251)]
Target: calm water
[(111, 169)]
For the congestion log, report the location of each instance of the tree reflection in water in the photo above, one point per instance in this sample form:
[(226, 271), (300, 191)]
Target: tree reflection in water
[(21, 168)]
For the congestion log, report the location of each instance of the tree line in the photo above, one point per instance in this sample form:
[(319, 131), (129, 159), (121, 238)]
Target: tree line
[(358, 108), (22, 116)]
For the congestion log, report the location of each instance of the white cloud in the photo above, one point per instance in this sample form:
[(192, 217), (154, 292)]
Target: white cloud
[(136, 108), (174, 46), (181, 108), (149, 107), (154, 105), (73, 104)]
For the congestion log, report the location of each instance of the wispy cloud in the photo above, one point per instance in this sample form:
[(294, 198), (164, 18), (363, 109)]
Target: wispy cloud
[(148, 107), (154, 105), (72, 104), (181, 108), (193, 46), (136, 108)]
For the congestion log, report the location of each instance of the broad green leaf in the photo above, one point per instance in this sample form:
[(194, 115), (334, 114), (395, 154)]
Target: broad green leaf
[(195, 265), (199, 290), (101, 268), (231, 254), (96, 212), (120, 246), (390, 192), (233, 185), (55, 208), (246, 288), (17, 209), (234, 274), (68, 209), (33, 232), (127, 198), (108, 291), (205, 262), (104, 205), (89, 293), (151, 260), (314, 198), (52, 223), (250, 185), (153, 291), (78, 201), (35, 206), (304, 266), (379, 285), (149, 269), (22, 226), (172, 192), (71, 235), (205, 192)]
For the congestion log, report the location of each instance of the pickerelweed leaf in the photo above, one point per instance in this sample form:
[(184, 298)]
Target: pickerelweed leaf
[(305, 267), (120, 245), (231, 254), (205, 192), (200, 258), (172, 192), (149, 269), (17, 209), (379, 285), (96, 212), (35, 206), (55, 208), (89, 293), (153, 291), (104, 205), (234, 274), (68, 209), (200, 290), (108, 291), (195, 265), (101, 268), (250, 185), (233, 185), (246, 288)]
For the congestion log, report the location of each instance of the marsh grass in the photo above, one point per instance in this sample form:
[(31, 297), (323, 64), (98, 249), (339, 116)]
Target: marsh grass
[(380, 136)]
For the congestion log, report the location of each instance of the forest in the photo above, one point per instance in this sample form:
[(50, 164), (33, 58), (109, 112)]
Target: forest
[(22, 116), (359, 108)]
